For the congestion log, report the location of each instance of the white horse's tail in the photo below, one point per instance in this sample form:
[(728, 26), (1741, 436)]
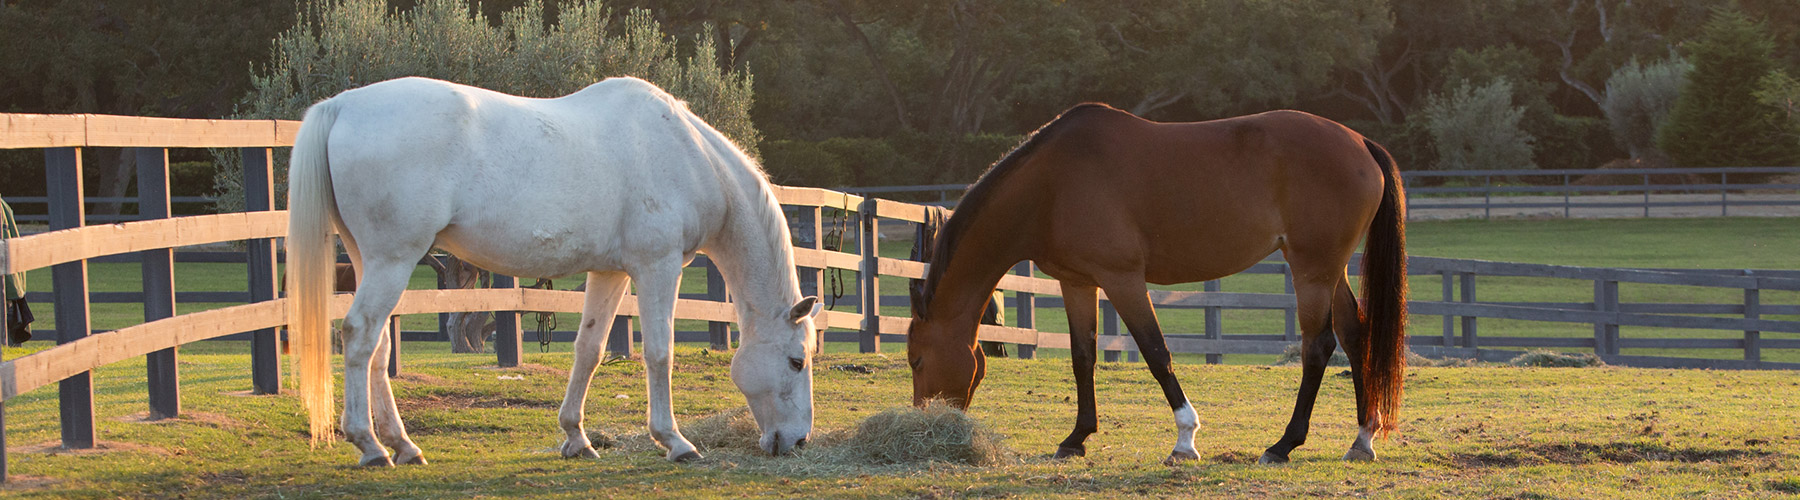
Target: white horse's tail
[(311, 258)]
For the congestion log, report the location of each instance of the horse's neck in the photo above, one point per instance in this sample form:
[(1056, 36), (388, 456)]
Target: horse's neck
[(757, 262), (984, 255)]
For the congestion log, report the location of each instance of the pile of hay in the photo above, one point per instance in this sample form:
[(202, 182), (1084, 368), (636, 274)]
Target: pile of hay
[(1544, 358), (897, 439)]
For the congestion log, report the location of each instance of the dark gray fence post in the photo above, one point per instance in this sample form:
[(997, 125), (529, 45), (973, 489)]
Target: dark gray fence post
[(509, 340), (1449, 320), (1752, 310), (1109, 326), (870, 275), (159, 282), (1215, 323), (1291, 333), (810, 277), (62, 169), (719, 332), (1468, 297), (259, 196), (1026, 310), (393, 369), (618, 340), (1606, 333)]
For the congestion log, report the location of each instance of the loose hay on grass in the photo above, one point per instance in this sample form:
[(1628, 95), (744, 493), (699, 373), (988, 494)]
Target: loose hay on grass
[(1546, 358), (895, 440)]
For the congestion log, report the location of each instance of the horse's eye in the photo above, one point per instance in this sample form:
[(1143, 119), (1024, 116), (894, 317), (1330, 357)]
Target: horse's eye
[(797, 364), (914, 363)]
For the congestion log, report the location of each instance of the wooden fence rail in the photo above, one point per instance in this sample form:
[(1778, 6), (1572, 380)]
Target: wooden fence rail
[(836, 234)]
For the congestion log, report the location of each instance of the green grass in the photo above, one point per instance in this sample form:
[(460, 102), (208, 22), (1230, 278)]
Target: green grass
[(1481, 432)]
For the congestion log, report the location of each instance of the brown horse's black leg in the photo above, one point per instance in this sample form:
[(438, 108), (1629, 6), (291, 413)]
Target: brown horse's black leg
[(1133, 304), (1315, 352), (1081, 303)]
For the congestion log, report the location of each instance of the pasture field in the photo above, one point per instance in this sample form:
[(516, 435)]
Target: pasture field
[(1708, 243), (1470, 432)]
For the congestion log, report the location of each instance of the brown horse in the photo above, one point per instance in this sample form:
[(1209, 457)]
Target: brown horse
[(1102, 199)]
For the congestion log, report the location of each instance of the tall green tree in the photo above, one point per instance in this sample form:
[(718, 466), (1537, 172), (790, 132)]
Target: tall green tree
[(1638, 100), (1718, 120)]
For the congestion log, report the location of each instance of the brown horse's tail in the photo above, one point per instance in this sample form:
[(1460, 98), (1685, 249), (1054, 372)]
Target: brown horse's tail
[(1384, 293)]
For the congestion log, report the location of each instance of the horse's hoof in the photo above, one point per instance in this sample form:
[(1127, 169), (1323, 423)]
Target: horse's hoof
[(686, 457), (415, 460), (1270, 458), (378, 462), (581, 453), (1359, 455), (1179, 456), (1070, 451)]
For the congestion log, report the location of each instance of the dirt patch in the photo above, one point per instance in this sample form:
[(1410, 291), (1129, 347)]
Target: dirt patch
[(213, 420), (252, 394), (1587, 453), (531, 369), (1232, 457), (461, 400), (225, 477), (55, 448), (418, 378), (18, 482)]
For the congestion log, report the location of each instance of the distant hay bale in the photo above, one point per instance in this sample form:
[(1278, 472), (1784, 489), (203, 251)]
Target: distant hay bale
[(1553, 359), (1291, 357), (895, 440)]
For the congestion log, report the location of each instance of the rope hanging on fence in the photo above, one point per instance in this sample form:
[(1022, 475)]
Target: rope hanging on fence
[(834, 241), (546, 321)]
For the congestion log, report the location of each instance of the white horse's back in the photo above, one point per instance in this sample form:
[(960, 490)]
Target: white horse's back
[(557, 186)]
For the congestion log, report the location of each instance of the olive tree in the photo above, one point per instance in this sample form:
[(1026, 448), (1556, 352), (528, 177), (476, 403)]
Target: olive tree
[(1477, 128)]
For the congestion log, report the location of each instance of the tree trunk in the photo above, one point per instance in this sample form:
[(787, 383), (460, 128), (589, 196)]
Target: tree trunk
[(115, 168), (468, 330)]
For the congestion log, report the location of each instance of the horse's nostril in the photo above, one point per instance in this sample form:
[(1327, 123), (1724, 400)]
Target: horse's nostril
[(800, 444)]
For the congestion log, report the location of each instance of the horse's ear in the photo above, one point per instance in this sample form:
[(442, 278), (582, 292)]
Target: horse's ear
[(918, 298), (806, 308)]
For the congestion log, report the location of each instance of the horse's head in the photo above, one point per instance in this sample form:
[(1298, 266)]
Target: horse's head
[(946, 362), (775, 374)]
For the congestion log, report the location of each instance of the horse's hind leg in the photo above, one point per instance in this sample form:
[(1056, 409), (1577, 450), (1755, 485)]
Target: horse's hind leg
[(602, 301), (383, 280), (388, 427), (1316, 345), (657, 286), (1081, 305), (1132, 300), (1346, 321)]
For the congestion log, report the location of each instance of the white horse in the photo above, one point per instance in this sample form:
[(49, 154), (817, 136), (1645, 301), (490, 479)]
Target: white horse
[(620, 181)]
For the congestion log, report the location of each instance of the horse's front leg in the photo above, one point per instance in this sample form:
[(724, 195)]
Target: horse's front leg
[(602, 302), (1132, 300), (1081, 304), (657, 289)]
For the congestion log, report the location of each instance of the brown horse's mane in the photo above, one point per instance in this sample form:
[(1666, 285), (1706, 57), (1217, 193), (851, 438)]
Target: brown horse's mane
[(981, 192)]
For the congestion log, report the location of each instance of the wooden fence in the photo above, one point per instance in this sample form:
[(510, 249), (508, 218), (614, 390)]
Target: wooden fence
[(853, 251), (1481, 193)]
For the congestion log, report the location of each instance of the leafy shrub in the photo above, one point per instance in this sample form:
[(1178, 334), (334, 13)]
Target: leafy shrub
[(1638, 101), (803, 163), (1477, 128)]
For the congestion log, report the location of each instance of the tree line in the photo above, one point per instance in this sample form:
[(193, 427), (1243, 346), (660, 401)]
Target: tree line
[(862, 92)]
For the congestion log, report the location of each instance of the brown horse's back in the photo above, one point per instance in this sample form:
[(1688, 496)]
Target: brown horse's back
[(1189, 202)]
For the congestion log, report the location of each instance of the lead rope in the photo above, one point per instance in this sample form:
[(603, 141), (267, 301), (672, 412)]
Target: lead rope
[(834, 241), (546, 321)]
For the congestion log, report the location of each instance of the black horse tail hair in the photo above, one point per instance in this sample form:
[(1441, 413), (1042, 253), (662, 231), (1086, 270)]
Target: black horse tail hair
[(1384, 290)]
